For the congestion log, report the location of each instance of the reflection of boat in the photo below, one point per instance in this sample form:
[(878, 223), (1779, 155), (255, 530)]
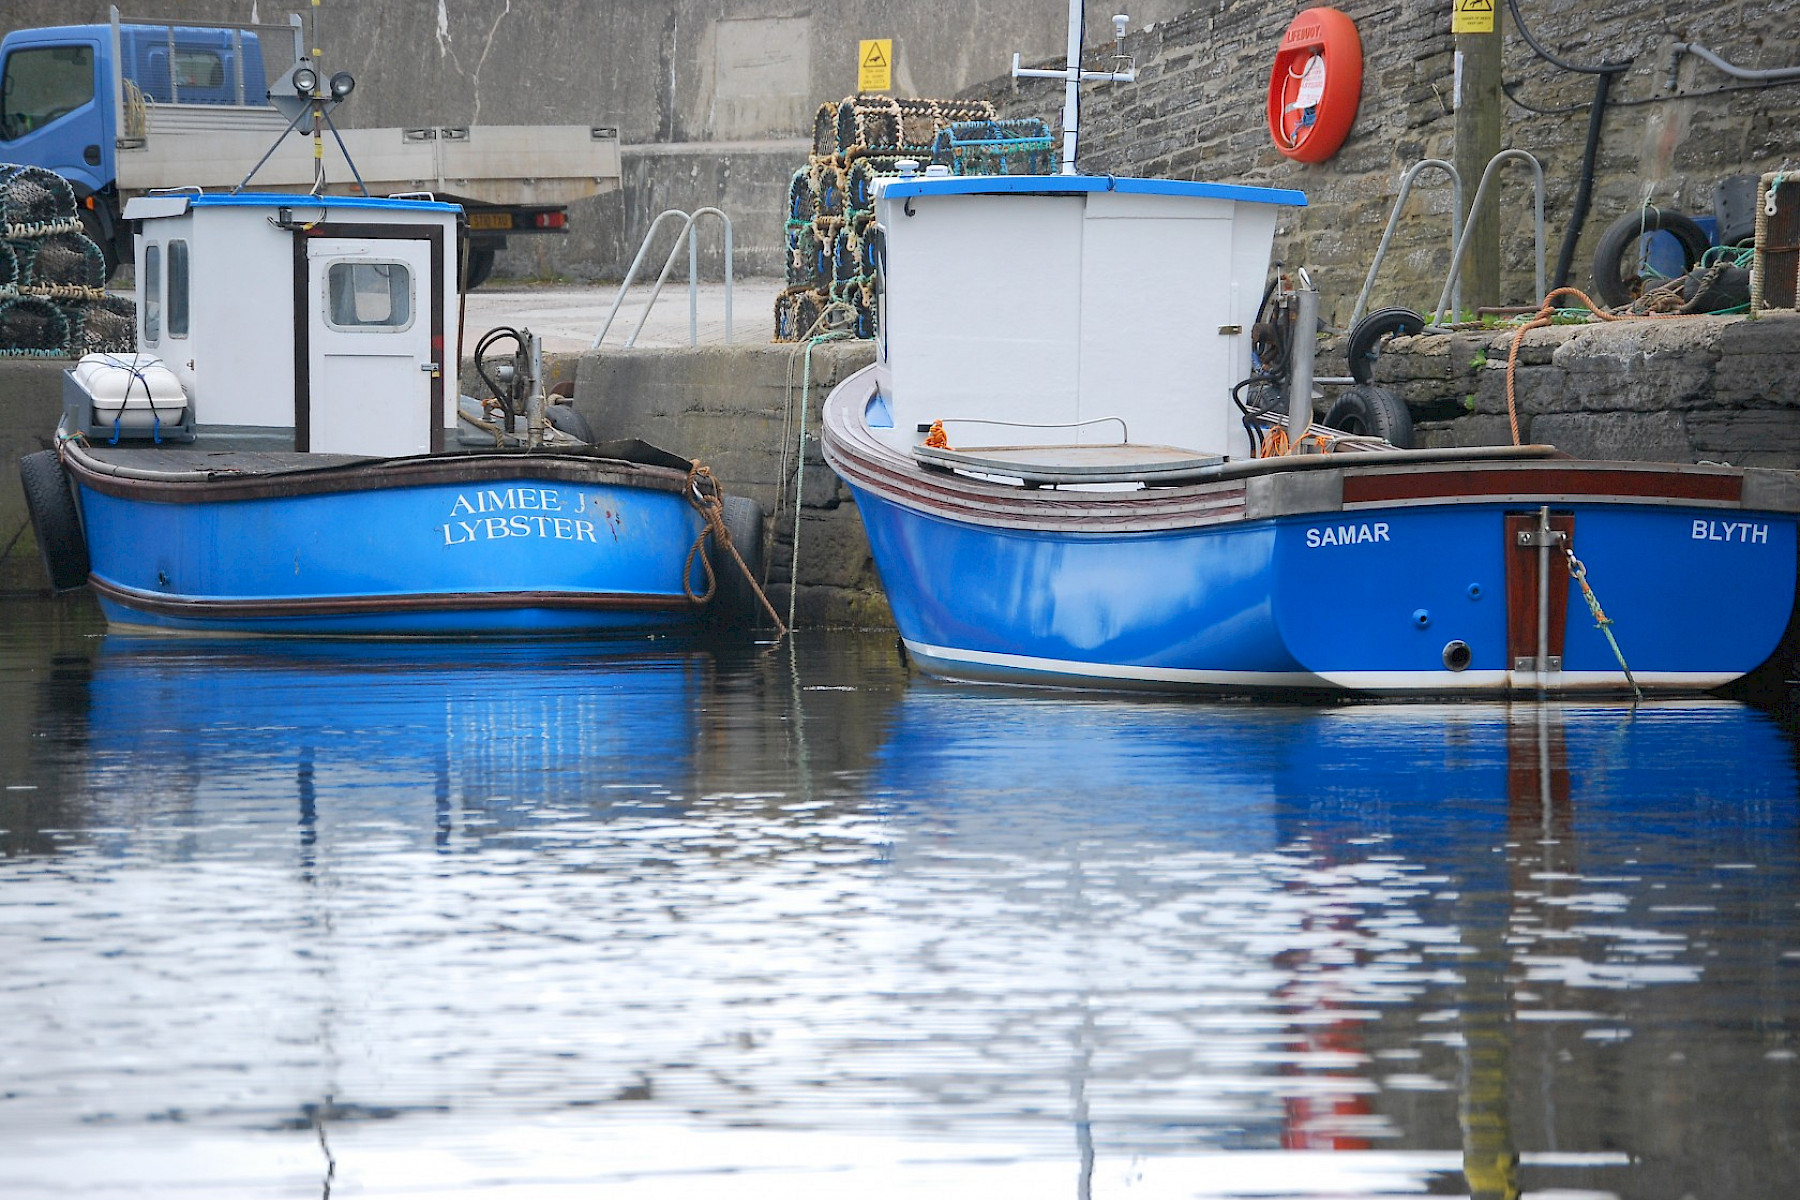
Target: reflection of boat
[(1246, 777), (288, 454), (1107, 323), (426, 734), (1308, 927)]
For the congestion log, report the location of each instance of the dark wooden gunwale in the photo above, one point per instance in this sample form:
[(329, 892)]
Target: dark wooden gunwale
[(1547, 478), (369, 475)]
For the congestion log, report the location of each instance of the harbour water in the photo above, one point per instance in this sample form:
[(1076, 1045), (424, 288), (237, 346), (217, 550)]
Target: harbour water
[(288, 919)]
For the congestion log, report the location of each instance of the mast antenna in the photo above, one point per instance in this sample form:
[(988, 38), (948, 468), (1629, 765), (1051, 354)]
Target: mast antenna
[(1073, 77)]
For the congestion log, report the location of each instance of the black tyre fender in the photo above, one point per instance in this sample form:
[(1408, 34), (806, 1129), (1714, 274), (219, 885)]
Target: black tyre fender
[(567, 420), (55, 519), (1363, 346), (1370, 411), (734, 603), (1616, 280)]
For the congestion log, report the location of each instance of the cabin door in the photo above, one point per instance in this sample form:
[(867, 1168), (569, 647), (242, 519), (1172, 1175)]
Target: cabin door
[(373, 383)]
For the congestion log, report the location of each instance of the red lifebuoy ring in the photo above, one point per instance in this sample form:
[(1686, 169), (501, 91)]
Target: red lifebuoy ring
[(1315, 86)]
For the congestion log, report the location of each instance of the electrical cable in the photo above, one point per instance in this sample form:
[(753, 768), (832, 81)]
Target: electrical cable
[(1602, 68)]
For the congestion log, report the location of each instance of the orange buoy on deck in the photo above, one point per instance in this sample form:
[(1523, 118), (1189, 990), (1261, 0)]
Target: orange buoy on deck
[(1315, 86)]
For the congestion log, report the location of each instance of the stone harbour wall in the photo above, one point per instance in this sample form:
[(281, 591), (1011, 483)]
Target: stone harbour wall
[(1667, 137), (1684, 389)]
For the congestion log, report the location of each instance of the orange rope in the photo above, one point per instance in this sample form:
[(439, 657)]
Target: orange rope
[(937, 439), (1544, 316)]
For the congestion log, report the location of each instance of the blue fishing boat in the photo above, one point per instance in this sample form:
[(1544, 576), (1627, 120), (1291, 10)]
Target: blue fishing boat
[(1083, 457), (287, 452)]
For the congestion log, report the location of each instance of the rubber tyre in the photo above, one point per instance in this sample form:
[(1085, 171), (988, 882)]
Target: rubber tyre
[(734, 605), (54, 518), (480, 266), (1370, 411), (1616, 283), (1363, 346), (567, 420)]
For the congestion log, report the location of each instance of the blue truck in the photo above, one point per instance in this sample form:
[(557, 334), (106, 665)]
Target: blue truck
[(121, 109)]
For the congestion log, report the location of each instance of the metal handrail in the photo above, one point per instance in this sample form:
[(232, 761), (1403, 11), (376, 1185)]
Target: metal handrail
[(1462, 245), (688, 221), (1406, 182)]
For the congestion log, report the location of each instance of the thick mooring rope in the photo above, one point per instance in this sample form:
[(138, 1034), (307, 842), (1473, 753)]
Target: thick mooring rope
[(703, 493)]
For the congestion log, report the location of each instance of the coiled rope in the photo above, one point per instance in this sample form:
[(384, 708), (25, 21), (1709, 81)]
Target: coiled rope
[(1545, 314)]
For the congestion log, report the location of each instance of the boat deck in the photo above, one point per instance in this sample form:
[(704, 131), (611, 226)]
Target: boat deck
[(181, 460)]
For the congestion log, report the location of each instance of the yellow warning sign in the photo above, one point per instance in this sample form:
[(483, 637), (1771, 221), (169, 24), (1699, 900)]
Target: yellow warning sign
[(1472, 16), (875, 64)]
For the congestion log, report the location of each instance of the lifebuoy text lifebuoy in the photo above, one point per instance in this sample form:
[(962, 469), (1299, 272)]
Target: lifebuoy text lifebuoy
[(1316, 85)]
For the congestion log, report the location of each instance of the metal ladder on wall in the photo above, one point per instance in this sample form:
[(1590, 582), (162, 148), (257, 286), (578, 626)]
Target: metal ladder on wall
[(686, 234), (1460, 231)]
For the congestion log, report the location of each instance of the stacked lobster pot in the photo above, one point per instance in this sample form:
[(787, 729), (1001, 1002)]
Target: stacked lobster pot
[(53, 302), (833, 244)]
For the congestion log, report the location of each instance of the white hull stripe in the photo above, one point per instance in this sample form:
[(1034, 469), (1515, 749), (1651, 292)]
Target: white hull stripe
[(1362, 681)]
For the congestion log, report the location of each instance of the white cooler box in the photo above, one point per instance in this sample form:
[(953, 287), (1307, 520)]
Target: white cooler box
[(125, 397)]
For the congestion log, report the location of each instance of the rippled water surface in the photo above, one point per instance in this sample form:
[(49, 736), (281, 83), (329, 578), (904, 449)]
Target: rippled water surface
[(337, 919)]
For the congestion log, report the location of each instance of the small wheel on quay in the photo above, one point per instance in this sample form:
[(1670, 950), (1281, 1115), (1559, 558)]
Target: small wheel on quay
[(1369, 411), (1368, 336)]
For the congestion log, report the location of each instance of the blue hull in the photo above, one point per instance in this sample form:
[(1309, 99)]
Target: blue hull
[(491, 553), (1364, 601)]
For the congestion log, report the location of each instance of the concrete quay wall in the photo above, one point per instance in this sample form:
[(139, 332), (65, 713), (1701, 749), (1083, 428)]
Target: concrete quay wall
[(738, 409), (30, 406)]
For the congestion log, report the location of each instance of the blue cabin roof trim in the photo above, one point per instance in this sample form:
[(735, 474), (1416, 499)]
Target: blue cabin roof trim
[(287, 200), (1058, 185)]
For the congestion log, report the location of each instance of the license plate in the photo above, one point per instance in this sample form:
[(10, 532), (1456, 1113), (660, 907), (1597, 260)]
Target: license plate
[(490, 220)]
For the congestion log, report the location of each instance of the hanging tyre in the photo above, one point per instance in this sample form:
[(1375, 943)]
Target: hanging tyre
[(567, 420), (55, 520), (1369, 411), (734, 603), (1369, 335), (1621, 271)]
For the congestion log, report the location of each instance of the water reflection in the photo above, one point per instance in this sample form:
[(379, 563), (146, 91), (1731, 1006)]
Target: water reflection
[(664, 920)]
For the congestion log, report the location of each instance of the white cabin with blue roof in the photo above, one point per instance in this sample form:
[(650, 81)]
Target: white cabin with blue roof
[(1116, 310), (320, 324)]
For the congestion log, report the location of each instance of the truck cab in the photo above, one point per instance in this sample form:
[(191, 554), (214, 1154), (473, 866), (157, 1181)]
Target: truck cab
[(73, 96), (124, 110), (53, 112)]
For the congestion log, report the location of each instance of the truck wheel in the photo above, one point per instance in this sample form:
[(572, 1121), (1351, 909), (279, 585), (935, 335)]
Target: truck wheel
[(109, 252), (55, 520), (480, 266)]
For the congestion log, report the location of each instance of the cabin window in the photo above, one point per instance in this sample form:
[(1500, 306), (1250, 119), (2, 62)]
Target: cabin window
[(199, 68), (178, 288), (151, 292), (42, 84), (371, 296)]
